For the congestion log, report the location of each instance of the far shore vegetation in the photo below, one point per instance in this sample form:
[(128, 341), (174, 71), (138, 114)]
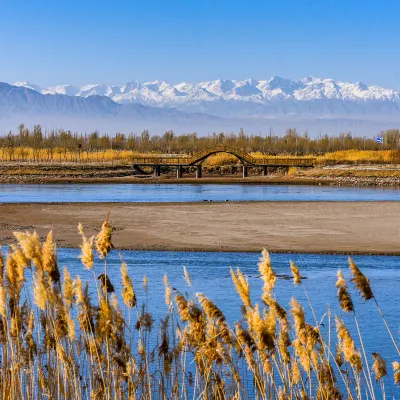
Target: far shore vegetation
[(60, 146)]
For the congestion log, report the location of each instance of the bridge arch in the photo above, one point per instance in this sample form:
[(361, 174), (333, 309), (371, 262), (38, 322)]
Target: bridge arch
[(199, 157)]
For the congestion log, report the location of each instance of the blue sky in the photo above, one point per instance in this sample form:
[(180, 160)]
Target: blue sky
[(114, 41)]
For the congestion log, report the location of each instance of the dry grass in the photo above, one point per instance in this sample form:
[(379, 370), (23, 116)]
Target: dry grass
[(58, 341), (61, 155), (347, 172), (292, 171), (219, 159), (125, 157), (360, 157)]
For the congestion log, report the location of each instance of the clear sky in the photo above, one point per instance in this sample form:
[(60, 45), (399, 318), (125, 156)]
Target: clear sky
[(113, 41)]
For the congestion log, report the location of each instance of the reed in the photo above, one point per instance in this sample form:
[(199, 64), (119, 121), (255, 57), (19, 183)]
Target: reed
[(61, 340), (361, 157)]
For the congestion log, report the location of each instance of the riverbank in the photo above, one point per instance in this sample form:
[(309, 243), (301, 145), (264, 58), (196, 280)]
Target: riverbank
[(338, 175), (313, 227)]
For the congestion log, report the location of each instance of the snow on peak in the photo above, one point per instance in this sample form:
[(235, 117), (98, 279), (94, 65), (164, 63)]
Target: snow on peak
[(28, 85), (68, 90), (248, 91)]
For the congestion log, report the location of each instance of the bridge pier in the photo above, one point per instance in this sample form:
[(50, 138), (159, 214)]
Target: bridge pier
[(265, 170), (245, 171), (157, 170), (198, 171), (179, 171), (234, 169)]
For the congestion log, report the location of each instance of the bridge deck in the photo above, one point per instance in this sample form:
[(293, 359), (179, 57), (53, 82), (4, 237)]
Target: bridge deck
[(246, 159), (187, 161)]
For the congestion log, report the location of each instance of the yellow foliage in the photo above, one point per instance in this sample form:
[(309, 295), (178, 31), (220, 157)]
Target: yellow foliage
[(59, 154), (125, 157), (361, 156), (221, 159)]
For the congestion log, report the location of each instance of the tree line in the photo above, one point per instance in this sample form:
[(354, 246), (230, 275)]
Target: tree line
[(292, 142)]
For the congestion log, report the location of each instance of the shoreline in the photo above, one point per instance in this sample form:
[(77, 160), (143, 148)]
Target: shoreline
[(195, 250), (347, 228), (189, 203), (293, 181), (354, 175)]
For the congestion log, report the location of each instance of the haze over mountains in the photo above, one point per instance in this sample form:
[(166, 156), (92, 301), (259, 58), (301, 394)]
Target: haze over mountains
[(318, 105)]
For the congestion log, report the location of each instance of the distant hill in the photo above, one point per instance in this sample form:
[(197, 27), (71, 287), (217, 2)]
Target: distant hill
[(23, 104), (318, 105)]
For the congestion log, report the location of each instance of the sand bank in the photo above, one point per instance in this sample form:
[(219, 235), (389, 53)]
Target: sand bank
[(331, 227)]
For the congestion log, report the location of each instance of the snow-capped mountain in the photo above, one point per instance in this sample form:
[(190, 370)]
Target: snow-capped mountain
[(24, 104), (318, 105), (246, 98)]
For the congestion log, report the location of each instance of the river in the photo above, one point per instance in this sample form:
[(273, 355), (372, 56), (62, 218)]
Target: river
[(22, 193), (210, 275)]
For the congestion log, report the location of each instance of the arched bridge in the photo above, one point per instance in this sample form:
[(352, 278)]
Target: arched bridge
[(245, 158), (197, 159)]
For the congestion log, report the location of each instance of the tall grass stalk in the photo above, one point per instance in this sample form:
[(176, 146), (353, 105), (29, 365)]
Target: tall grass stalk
[(58, 340)]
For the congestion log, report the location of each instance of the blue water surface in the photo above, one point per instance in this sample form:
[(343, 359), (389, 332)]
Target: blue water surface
[(210, 274), (10, 193)]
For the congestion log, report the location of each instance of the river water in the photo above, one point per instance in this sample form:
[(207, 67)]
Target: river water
[(210, 271), (210, 275), (190, 193)]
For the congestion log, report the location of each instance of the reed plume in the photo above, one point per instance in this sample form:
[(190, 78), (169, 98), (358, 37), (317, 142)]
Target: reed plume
[(39, 291), (128, 293), (396, 369), (267, 273), (242, 286), (263, 329), (210, 308), (187, 276), (68, 289), (30, 245), (344, 297), (347, 345), (145, 283), (361, 282), (19, 258), (296, 273), (3, 300), (15, 274), (78, 291), (49, 251), (379, 366), (183, 307), (299, 320), (103, 238), (168, 291), (86, 256), (106, 284), (244, 338)]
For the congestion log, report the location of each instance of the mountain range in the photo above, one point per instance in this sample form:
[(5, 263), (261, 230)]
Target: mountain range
[(22, 104), (310, 103)]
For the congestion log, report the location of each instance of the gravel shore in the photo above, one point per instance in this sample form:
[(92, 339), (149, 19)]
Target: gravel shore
[(340, 175)]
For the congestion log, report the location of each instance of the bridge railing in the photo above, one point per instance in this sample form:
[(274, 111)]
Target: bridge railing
[(244, 157), (284, 161), (160, 160)]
